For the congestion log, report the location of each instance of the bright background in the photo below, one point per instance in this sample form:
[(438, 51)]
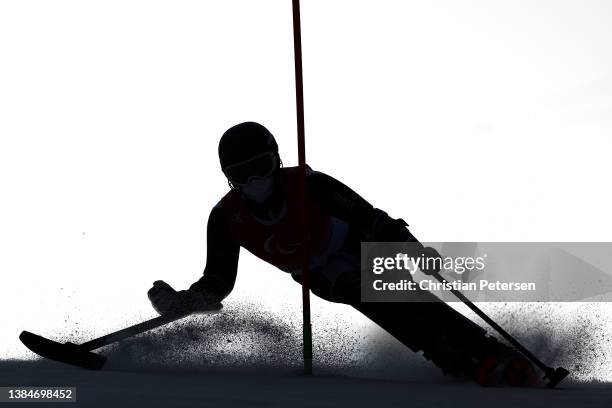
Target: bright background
[(473, 120)]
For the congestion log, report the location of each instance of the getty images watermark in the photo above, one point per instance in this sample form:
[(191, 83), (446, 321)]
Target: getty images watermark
[(457, 265), (489, 272)]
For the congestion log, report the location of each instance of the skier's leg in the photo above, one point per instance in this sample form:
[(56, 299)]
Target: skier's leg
[(447, 338), (450, 340)]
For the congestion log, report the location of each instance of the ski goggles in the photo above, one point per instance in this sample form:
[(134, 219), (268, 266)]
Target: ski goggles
[(259, 166)]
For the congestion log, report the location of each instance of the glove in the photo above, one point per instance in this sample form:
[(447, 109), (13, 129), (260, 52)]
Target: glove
[(167, 300)]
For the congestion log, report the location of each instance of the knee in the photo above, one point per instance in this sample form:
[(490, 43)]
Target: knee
[(343, 289), (320, 287)]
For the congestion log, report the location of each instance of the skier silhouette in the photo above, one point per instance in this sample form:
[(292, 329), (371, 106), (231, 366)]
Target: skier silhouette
[(261, 213)]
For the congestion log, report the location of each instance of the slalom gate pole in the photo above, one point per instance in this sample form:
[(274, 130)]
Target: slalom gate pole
[(299, 99)]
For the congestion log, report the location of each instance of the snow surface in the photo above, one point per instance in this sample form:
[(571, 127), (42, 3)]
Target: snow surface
[(236, 358), (282, 388)]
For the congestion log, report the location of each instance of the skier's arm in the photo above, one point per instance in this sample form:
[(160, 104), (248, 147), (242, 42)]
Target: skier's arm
[(219, 275), (371, 223), (344, 203), (221, 258)]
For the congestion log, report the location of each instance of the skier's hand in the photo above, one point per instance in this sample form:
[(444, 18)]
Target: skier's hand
[(167, 300)]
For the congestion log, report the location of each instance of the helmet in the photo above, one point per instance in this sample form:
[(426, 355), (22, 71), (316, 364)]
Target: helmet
[(248, 151)]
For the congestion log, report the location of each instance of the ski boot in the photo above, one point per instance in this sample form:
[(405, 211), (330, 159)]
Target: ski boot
[(507, 368)]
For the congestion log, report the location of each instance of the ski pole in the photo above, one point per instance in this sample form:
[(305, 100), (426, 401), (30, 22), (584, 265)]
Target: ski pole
[(555, 376), (81, 354)]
